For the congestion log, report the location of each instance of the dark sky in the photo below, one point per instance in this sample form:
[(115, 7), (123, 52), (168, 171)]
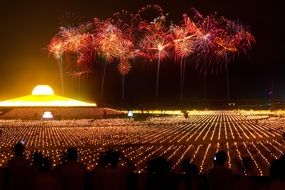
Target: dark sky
[(27, 26)]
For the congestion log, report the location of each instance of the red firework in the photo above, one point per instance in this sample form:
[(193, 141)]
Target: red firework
[(157, 39), (184, 38), (56, 47), (124, 67)]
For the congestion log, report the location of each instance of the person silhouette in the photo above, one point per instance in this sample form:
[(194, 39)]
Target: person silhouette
[(159, 175), (246, 182), (46, 179), (190, 177), (72, 173), (18, 168), (34, 169), (277, 174), (111, 175), (220, 177)]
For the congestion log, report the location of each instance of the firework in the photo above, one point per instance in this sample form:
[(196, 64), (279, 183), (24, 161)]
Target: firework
[(56, 47), (127, 24), (209, 29), (148, 13), (79, 52), (240, 37), (212, 42), (156, 42), (113, 43), (183, 39), (68, 42), (124, 68), (218, 42)]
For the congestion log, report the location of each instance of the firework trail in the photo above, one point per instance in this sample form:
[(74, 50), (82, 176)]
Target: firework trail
[(183, 40), (112, 45), (218, 41), (56, 48), (124, 68), (127, 24), (70, 41), (156, 42)]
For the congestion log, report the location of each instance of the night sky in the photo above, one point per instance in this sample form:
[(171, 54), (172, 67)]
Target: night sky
[(27, 27)]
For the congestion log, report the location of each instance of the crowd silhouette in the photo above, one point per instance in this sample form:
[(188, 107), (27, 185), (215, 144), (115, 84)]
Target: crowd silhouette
[(116, 172)]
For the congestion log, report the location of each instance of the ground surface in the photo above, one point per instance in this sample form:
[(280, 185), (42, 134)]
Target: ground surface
[(254, 135)]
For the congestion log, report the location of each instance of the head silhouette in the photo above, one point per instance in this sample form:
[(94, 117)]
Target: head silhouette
[(113, 157), (37, 158), (45, 164), (189, 168), (221, 158), (102, 161), (72, 154), (275, 169), (247, 163), (159, 165), (19, 149)]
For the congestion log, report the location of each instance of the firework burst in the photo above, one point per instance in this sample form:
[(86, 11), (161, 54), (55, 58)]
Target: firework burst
[(124, 67), (183, 40), (156, 42), (56, 47)]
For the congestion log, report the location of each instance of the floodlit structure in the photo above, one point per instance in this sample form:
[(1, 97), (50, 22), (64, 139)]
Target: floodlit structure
[(44, 104), (43, 96)]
